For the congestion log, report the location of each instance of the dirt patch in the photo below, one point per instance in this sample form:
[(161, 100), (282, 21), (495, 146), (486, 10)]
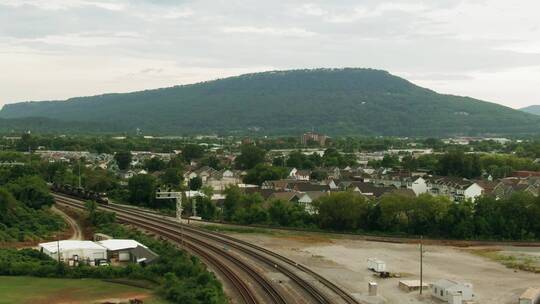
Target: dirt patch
[(124, 298), (308, 239)]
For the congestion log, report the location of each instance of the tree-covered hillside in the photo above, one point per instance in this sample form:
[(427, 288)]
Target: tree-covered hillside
[(534, 109), (335, 101)]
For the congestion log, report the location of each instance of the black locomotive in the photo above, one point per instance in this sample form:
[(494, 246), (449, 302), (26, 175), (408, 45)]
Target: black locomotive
[(81, 193)]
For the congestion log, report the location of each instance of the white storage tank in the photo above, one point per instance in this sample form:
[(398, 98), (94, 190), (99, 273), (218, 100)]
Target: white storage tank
[(376, 265)]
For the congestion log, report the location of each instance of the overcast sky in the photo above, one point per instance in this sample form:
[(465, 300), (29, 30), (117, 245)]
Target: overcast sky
[(56, 49)]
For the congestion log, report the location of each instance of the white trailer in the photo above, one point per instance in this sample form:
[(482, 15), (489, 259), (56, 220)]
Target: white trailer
[(376, 265)]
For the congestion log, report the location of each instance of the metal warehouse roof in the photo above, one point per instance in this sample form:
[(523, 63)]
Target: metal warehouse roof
[(117, 244), (70, 245)]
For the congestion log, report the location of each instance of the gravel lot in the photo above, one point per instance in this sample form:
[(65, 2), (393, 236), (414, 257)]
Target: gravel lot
[(343, 260)]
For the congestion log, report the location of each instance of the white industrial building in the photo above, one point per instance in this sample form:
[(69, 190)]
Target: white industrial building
[(75, 251), (452, 292), (98, 253), (127, 251)]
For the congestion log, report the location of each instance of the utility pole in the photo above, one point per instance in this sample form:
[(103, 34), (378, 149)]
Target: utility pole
[(79, 172), (194, 207), (58, 248), (421, 264)]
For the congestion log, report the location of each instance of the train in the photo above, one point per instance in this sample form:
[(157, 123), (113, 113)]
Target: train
[(79, 192)]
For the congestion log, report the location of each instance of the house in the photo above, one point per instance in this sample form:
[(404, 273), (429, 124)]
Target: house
[(204, 173), (333, 173), (366, 189), (457, 189), (119, 250), (508, 186), (304, 186), (400, 179), (294, 185), (300, 174), (452, 292), (75, 252), (288, 196), (307, 198), (219, 180)]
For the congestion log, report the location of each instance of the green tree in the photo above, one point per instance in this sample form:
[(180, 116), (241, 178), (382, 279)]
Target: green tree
[(211, 161), (192, 151), (142, 189), (250, 156), (233, 196), (263, 172), (195, 183), (123, 159), (390, 161), (32, 191), (172, 176), (343, 211), (154, 164)]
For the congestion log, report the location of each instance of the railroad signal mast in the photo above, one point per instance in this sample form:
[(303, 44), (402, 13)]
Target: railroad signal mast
[(168, 194)]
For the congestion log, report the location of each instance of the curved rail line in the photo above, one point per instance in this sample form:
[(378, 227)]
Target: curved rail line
[(201, 250), (249, 249)]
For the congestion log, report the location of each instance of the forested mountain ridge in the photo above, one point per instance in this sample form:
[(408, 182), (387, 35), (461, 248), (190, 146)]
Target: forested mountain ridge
[(534, 109), (335, 101)]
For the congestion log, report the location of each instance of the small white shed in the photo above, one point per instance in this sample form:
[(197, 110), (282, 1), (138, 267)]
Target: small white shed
[(70, 250), (376, 265), (452, 292), (530, 296)]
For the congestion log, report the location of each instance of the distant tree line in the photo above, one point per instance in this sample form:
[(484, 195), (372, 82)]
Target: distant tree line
[(514, 218)]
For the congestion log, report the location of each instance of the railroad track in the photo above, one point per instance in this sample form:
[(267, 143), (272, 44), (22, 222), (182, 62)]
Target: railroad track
[(215, 258), (327, 292)]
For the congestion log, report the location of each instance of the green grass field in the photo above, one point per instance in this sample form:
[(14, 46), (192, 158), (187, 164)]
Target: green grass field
[(23, 290)]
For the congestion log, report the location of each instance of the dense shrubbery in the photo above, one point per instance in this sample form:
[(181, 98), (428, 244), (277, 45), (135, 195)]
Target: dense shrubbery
[(19, 222)]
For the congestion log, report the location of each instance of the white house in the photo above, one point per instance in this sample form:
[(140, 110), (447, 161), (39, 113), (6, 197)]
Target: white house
[(300, 174), (219, 180), (473, 191), (306, 200), (457, 189), (452, 292), (78, 251)]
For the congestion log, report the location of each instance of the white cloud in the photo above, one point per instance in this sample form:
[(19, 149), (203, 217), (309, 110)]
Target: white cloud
[(85, 39), (61, 48), (291, 32), (64, 4)]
